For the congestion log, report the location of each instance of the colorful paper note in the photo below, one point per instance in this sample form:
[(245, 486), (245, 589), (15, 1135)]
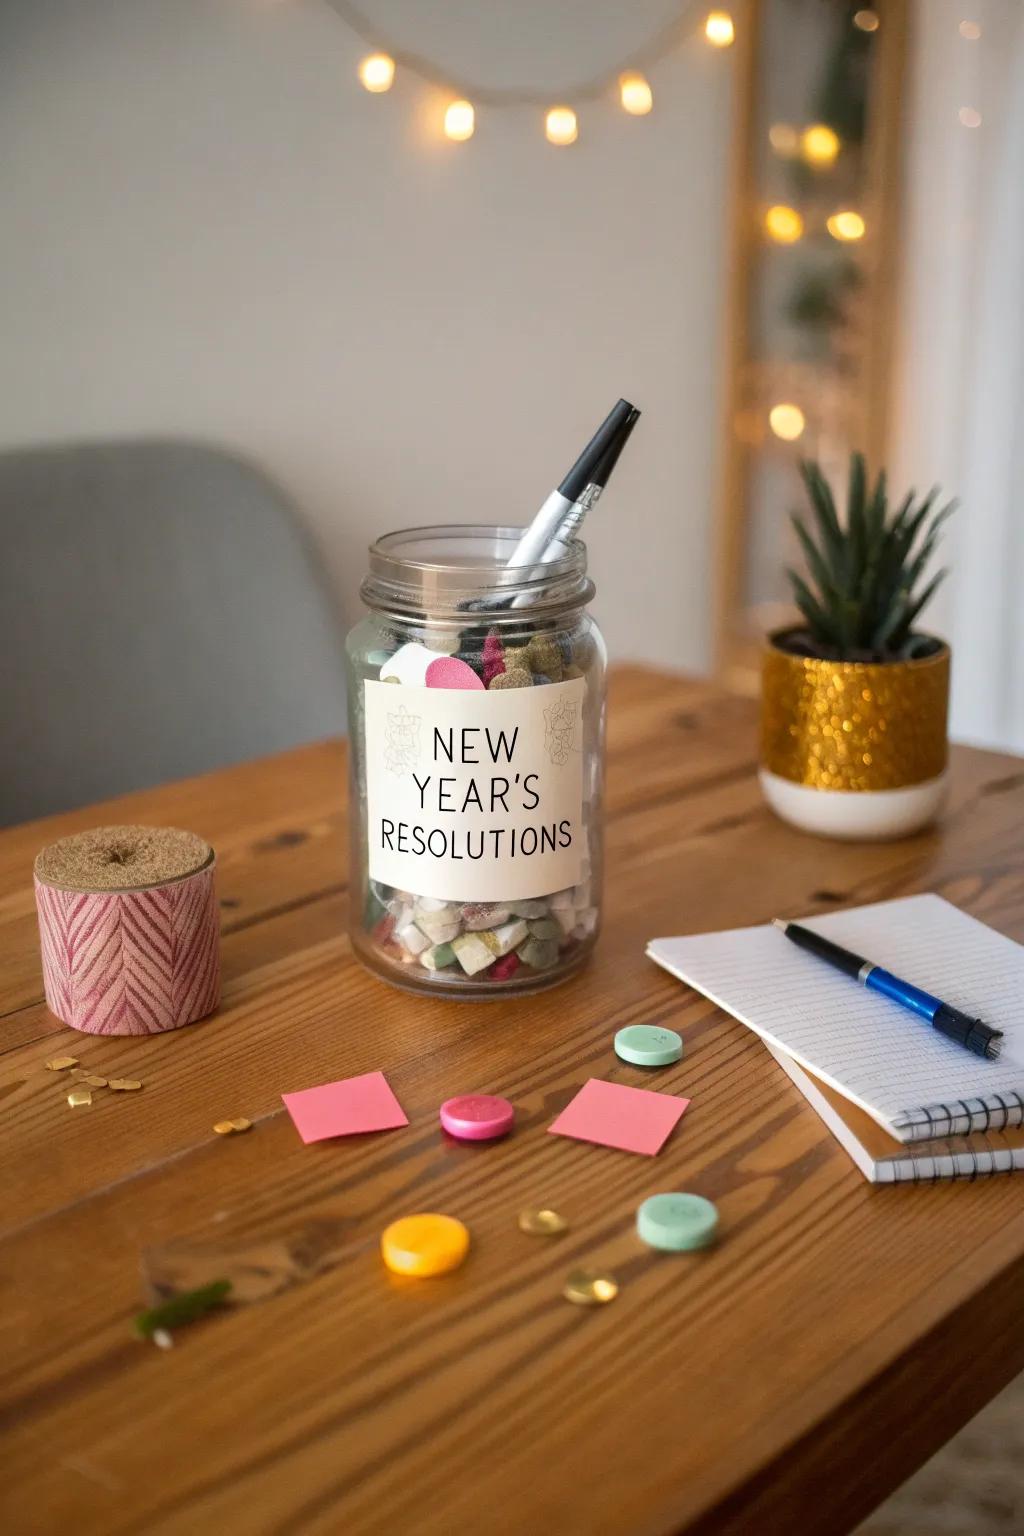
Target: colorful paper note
[(345, 1108), (632, 1119)]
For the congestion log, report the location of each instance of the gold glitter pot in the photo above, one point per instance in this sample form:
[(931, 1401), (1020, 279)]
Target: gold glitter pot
[(541, 1221), (854, 749), (590, 1288)]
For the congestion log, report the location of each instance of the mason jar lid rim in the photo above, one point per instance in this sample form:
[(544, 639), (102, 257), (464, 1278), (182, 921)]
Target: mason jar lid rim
[(388, 560)]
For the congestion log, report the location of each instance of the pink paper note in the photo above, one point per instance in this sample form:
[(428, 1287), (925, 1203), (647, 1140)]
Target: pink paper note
[(346, 1108), (633, 1119), (451, 672)]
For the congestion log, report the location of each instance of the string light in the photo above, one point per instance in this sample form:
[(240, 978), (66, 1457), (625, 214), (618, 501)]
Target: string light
[(867, 21), (560, 126), (719, 30), (970, 30), (377, 71), (819, 145), (635, 94), (459, 121), (970, 117), (378, 68), (786, 421), (784, 139), (846, 225), (784, 224)]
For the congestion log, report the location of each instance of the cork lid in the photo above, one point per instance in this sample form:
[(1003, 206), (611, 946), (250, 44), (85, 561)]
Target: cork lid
[(122, 858)]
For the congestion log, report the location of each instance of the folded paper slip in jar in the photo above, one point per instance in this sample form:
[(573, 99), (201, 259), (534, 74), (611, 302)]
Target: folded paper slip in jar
[(129, 929)]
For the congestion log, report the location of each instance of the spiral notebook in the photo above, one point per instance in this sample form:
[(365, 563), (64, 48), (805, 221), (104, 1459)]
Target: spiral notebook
[(910, 1080), (884, 1160)]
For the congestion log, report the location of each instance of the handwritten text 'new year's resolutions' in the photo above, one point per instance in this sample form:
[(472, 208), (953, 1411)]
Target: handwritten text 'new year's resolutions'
[(490, 792)]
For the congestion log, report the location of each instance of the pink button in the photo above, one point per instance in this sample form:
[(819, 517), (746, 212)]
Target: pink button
[(477, 1117)]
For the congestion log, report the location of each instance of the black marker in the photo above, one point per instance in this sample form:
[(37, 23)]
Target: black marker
[(537, 538)]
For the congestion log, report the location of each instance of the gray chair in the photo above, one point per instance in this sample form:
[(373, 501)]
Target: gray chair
[(160, 614)]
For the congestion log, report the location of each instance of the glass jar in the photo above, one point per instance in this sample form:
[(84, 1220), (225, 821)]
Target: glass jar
[(476, 723)]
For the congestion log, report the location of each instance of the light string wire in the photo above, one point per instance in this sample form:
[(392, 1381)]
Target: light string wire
[(665, 41)]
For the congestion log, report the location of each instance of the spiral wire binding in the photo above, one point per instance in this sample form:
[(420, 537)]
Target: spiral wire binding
[(984, 1163), (959, 1119)]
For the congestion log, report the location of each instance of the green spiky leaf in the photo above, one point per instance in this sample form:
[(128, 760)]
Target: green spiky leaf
[(861, 597)]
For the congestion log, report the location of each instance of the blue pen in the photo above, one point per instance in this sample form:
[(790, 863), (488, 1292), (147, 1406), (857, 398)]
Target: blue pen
[(972, 1034)]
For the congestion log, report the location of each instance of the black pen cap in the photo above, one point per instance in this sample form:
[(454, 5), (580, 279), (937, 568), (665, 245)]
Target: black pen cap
[(582, 472), (602, 471)]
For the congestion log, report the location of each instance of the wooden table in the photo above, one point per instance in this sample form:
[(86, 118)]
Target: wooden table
[(786, 1380)]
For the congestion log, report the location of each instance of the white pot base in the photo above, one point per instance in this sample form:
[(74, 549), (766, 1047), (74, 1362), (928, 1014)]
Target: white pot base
[(855, 814)]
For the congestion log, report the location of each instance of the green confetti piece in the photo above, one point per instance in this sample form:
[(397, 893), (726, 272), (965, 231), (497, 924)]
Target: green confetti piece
[(182, 1309)]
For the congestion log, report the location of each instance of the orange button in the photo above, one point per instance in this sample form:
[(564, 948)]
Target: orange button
[(424, 1245)]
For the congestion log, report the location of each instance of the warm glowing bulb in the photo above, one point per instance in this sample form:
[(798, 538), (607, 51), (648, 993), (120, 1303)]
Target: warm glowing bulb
[(846, 225), (635, 94), (970, 117), (719, 30), (819, 144), (784, 139), (377, 71), (970, 30), (866, 20), (786, 421), (783, 224), (560, 125), (460, 120)]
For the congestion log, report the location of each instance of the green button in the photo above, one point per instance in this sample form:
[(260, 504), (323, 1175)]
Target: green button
[(648, 1045), (677, 1223)]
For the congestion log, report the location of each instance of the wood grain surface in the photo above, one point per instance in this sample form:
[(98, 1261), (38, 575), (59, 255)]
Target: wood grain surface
[(786, 1379)]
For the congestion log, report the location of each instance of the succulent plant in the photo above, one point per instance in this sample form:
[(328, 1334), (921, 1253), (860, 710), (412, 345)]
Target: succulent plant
[(863, 595)]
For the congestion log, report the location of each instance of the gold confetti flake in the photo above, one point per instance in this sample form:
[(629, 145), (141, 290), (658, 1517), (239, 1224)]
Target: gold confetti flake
[(79, 1096), (124, 1084), (92, 1079), (541, 1221), (61, 1063), (233, 1127), (590, 1288)]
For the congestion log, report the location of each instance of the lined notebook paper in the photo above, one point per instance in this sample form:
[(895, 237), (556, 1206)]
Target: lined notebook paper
[(906, 1076)]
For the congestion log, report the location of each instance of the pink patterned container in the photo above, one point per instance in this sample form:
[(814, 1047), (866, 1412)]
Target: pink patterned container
[(129, 929)]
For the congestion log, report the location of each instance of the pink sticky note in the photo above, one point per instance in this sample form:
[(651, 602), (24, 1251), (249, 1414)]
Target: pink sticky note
[(633, 1119), (346, 1108)]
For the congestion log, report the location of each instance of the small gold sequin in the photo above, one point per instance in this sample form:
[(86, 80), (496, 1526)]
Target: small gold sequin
[(590, 1287), (79, 1096), (61, 1063), (91, 1078), (124, 1084), (541, 1221), (233, 1127)]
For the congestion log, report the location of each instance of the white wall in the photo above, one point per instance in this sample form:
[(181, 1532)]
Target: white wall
[(210, 229)]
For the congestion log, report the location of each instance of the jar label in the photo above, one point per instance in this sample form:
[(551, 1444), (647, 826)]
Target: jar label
[(474, 795)]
